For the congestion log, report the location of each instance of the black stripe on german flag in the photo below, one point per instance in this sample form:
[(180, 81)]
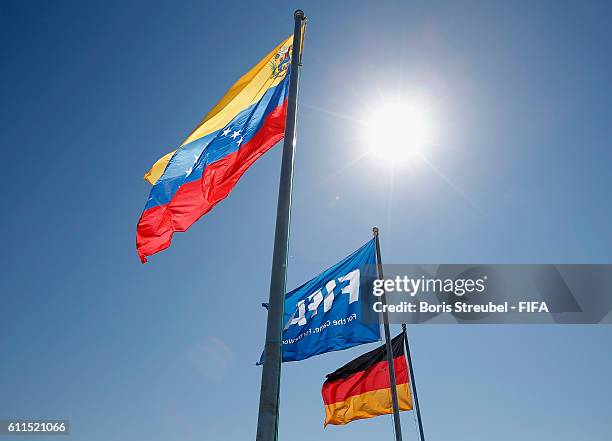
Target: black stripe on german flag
[(361, 388)]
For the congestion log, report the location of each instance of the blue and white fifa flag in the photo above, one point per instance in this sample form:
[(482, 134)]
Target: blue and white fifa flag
[(325, 313)]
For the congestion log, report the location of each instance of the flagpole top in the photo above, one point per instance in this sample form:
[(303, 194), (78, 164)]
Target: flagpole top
[(375, 231), (299, 14)]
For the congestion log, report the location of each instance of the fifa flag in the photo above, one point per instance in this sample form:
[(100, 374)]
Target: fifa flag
[(190, 181), (361, 389), (325, 313)]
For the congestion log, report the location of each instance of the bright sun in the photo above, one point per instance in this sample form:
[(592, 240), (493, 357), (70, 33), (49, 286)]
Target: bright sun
[(396, 132)]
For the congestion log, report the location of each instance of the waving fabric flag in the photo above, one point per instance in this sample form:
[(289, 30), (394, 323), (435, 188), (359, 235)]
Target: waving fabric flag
[(190, 181), (361, 388), (324, 314)]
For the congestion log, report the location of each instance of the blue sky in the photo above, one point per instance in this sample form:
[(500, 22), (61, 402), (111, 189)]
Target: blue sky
[(519, 173)]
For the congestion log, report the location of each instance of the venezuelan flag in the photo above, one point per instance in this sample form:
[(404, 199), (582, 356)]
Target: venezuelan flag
[(190, 181), (361, 388)]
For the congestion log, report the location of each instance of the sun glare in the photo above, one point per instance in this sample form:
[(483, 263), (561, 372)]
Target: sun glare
[(396, 132)]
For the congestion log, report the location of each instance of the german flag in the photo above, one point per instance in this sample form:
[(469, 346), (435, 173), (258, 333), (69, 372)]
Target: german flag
[(361, 388)]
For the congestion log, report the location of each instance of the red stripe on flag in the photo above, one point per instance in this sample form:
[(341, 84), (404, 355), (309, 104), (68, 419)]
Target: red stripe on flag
[(194, 199), (374, 378)]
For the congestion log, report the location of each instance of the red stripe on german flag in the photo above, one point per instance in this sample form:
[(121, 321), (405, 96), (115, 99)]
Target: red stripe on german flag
[(361, 388)]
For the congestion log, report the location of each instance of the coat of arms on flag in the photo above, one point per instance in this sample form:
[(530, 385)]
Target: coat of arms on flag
[(280, 62)]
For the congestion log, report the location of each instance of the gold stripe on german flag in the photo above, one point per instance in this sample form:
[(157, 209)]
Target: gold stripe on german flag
[(361, 388)]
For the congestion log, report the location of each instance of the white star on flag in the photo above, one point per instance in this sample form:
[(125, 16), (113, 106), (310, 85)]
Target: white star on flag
[(235, 134), (239, 141), (226, 131)]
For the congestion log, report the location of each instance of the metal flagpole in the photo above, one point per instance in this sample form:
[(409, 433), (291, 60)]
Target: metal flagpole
[(267, 422), (394, 400), (413, 382)]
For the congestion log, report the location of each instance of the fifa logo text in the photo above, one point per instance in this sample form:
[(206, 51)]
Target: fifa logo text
[(309, 307)]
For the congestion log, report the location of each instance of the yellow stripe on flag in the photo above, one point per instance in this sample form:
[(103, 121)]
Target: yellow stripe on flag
[(367, 405), (246, 91)]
